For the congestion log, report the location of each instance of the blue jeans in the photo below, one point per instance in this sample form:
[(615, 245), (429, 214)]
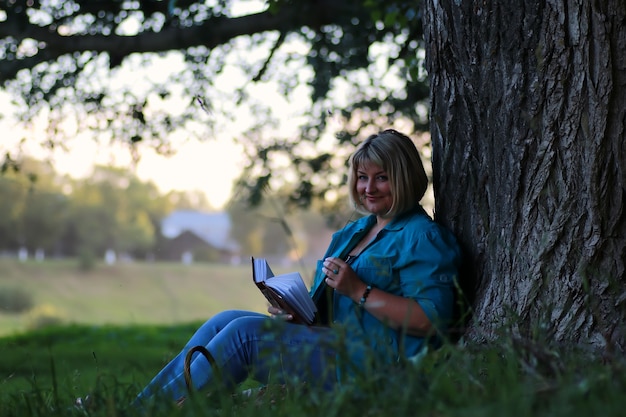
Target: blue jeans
[(248, 344)]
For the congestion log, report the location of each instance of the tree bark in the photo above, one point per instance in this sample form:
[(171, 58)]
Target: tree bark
[(529, 162)]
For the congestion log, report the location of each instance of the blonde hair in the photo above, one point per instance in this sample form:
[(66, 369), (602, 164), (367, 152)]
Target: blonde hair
[(397, 155)]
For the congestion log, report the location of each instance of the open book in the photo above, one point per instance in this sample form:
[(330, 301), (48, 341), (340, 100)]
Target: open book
[(286, 291)]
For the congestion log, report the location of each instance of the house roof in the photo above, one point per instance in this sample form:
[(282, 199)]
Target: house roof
[(213, 228)]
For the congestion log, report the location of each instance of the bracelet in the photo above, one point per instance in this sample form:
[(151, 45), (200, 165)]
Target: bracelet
[(366, 293)]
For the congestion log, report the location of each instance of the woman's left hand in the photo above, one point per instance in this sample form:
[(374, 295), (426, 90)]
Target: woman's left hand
[(277, 313), (341, 277)]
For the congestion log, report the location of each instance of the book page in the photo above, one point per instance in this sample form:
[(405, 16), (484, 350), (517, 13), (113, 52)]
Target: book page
[(286, 291), (261, 270), (292, 288)]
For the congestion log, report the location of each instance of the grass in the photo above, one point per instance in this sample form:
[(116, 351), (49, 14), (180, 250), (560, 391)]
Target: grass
[(78, 355), (112, 347), (134, 293), (43, 371)]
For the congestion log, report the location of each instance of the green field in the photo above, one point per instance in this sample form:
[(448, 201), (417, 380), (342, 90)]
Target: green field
[(150, 310), (133, 293), (118, 324)]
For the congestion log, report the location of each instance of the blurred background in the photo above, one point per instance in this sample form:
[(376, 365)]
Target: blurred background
[(143, 163)]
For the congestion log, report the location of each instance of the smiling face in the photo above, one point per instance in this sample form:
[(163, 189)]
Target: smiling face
[(396, 191), (374, 189)]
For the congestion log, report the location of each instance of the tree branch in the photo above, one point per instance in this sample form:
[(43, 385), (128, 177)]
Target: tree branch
[(211, 33)]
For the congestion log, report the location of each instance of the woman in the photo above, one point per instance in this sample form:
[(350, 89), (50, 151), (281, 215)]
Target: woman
[(383, 291)]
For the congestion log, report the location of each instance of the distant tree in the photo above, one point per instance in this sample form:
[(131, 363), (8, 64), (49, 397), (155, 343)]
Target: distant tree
[(11, 192), (111, 212), (147, 206), (188, 200), (260, 230), (111, 209), (43, 220), (275, 229), (32, 206), (90, 229)]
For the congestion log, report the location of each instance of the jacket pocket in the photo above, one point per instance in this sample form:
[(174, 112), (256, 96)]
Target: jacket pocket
[(378, 272)]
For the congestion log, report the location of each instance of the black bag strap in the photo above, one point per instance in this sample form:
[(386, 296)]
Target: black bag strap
[(187, 365)]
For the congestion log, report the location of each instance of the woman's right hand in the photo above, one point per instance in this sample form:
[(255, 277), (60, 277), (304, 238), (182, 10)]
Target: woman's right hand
[(277, 313)]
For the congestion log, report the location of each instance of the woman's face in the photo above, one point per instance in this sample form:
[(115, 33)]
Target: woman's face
[(374, 189)]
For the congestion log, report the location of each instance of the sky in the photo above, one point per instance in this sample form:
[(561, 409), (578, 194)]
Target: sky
[(210, 167)]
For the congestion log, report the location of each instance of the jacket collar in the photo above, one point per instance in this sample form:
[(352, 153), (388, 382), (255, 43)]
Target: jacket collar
[(398, 222)]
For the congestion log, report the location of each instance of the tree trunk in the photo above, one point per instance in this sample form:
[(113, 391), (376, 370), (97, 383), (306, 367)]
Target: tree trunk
[(529, 162)]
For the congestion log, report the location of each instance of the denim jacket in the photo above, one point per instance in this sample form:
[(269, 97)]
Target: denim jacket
[(412, 257)]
